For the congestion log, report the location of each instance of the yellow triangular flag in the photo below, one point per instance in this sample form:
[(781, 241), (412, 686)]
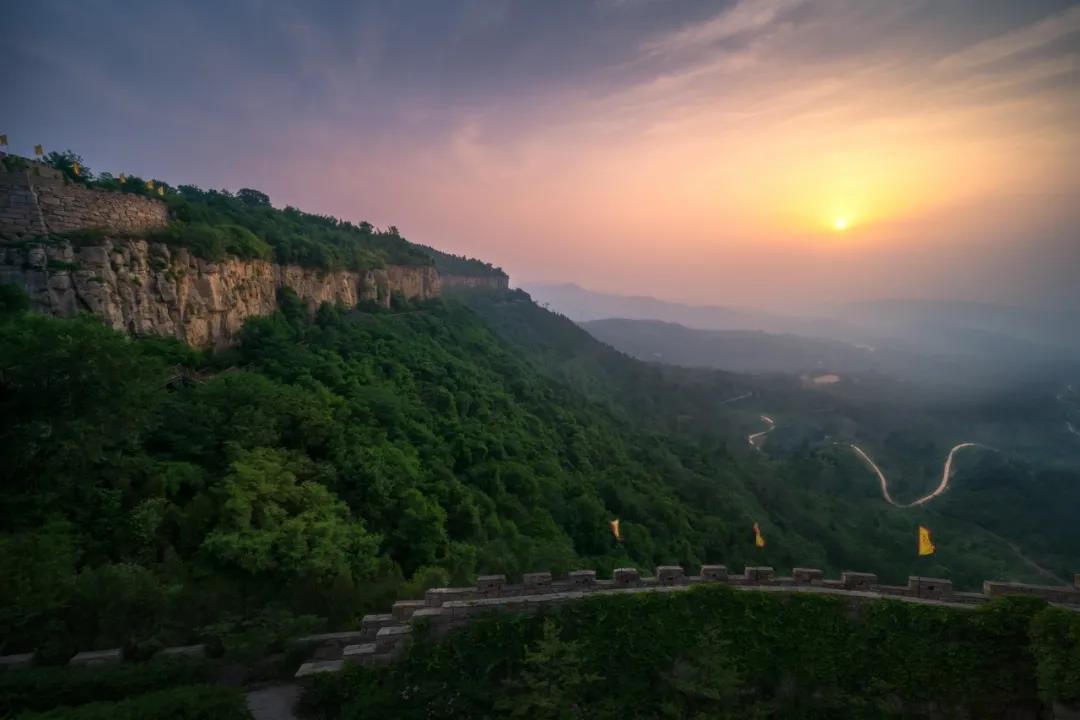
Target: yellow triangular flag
[(161, 190), (615, 529), (926, 544), (75, 168), (38, 150), (149, 184), (759, 539), (3, 140), (123, 178)]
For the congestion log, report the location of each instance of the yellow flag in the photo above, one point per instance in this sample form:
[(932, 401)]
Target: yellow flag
[(3, 140), (926, 544), (615, 529), (161, 190), (149, 184), (75, 168), (38, 150), (123, 178), (759, 539)]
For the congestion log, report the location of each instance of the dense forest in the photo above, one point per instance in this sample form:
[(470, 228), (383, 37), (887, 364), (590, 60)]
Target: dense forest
[(327, 465)]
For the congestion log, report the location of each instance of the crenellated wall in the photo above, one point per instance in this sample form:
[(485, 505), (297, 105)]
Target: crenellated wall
[(149, 288), (381, 638), (39, 200)]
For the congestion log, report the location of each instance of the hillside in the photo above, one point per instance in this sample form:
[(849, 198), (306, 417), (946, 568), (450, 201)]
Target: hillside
[(735, 350)]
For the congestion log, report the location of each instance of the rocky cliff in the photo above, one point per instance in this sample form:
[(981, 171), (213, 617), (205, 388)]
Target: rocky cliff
[(154, 289)]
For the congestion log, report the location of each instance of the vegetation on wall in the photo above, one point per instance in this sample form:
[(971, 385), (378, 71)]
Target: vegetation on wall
[(216, 223), (713, 652)]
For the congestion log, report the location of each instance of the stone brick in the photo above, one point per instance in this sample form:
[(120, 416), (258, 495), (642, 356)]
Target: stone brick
[(537, 582), (403, 609), (931, 588), (316, 668), (389, 637), (762, 575), (627, 577), (97, 657), (670, 575), (714, 572), (858, 581), (807, 576), (581, 578), (490, 585)]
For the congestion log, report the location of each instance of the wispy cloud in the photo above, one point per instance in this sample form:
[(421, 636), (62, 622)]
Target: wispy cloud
[(746, 16), (1014, 42)]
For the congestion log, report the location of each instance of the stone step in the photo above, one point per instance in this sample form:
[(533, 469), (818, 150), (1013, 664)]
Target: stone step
[(318, 666)]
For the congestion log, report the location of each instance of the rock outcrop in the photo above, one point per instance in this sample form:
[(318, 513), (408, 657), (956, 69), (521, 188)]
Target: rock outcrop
[(154, 289), (475, 282)]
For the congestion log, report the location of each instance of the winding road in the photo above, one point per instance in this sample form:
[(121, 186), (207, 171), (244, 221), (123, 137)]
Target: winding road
[(752, 439), (941, 488)]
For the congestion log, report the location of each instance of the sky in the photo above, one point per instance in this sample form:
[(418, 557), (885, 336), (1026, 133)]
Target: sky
[(773, 153)]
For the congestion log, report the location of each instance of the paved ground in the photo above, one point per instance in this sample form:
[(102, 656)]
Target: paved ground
[(274, 702)]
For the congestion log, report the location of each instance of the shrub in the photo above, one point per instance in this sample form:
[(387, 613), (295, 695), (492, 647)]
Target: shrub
[(196, 702), (42, 688), (1055, 640)]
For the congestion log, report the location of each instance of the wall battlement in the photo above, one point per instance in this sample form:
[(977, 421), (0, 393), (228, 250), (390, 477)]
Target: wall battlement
[(39, 200), (381, 638)]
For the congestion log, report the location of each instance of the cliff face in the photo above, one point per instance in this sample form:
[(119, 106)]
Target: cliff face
[(153, 289), (485, 282)]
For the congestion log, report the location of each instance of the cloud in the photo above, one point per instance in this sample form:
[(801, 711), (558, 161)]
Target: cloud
[(1030, 37), (744, 17)]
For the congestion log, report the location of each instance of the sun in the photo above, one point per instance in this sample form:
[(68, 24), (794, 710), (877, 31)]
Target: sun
[(840, 224)]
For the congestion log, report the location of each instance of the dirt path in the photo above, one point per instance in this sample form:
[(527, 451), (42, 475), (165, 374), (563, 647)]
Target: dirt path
[(752, 439), (946, 475)]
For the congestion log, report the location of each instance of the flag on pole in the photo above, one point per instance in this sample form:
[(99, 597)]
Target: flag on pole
[(161, 190), (3, 140), (75, 168), (123, 178), (759, 539), (38, 150), (149, 184), (926, 543), (615, 529)]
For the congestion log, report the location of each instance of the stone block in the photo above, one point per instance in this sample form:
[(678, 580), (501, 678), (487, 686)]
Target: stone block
[(807, 576), (389, 637), (864, 582), (403, 609), (315, 668), (184, 651), (930, 588), (714, 572), (627, 577), (97, 657), (670, 575), (430, 613), (537, 582), (490, 585), (358, 653), (23, 660), (761, 575), (579, 579), (371, 624)]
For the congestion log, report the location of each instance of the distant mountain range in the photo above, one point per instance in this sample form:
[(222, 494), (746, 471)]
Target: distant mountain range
[(939, 340)]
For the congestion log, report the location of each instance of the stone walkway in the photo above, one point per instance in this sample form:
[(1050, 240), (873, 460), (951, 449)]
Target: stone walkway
[(274, 702)]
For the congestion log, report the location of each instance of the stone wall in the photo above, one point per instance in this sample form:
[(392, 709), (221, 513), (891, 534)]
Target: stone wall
[(39, 200), (383, 637), (149, 288)]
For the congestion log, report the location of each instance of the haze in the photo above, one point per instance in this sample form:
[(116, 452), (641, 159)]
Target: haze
[(701, 152)]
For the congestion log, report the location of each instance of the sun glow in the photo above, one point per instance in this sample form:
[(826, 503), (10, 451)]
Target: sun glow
[(840, 224)]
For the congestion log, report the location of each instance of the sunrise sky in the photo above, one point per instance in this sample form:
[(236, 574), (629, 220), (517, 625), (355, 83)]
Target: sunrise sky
[(779, 153)]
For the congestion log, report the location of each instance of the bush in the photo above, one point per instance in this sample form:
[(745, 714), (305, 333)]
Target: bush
[(708, 652), (42, 688), (196, 702), (1055, 639)]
